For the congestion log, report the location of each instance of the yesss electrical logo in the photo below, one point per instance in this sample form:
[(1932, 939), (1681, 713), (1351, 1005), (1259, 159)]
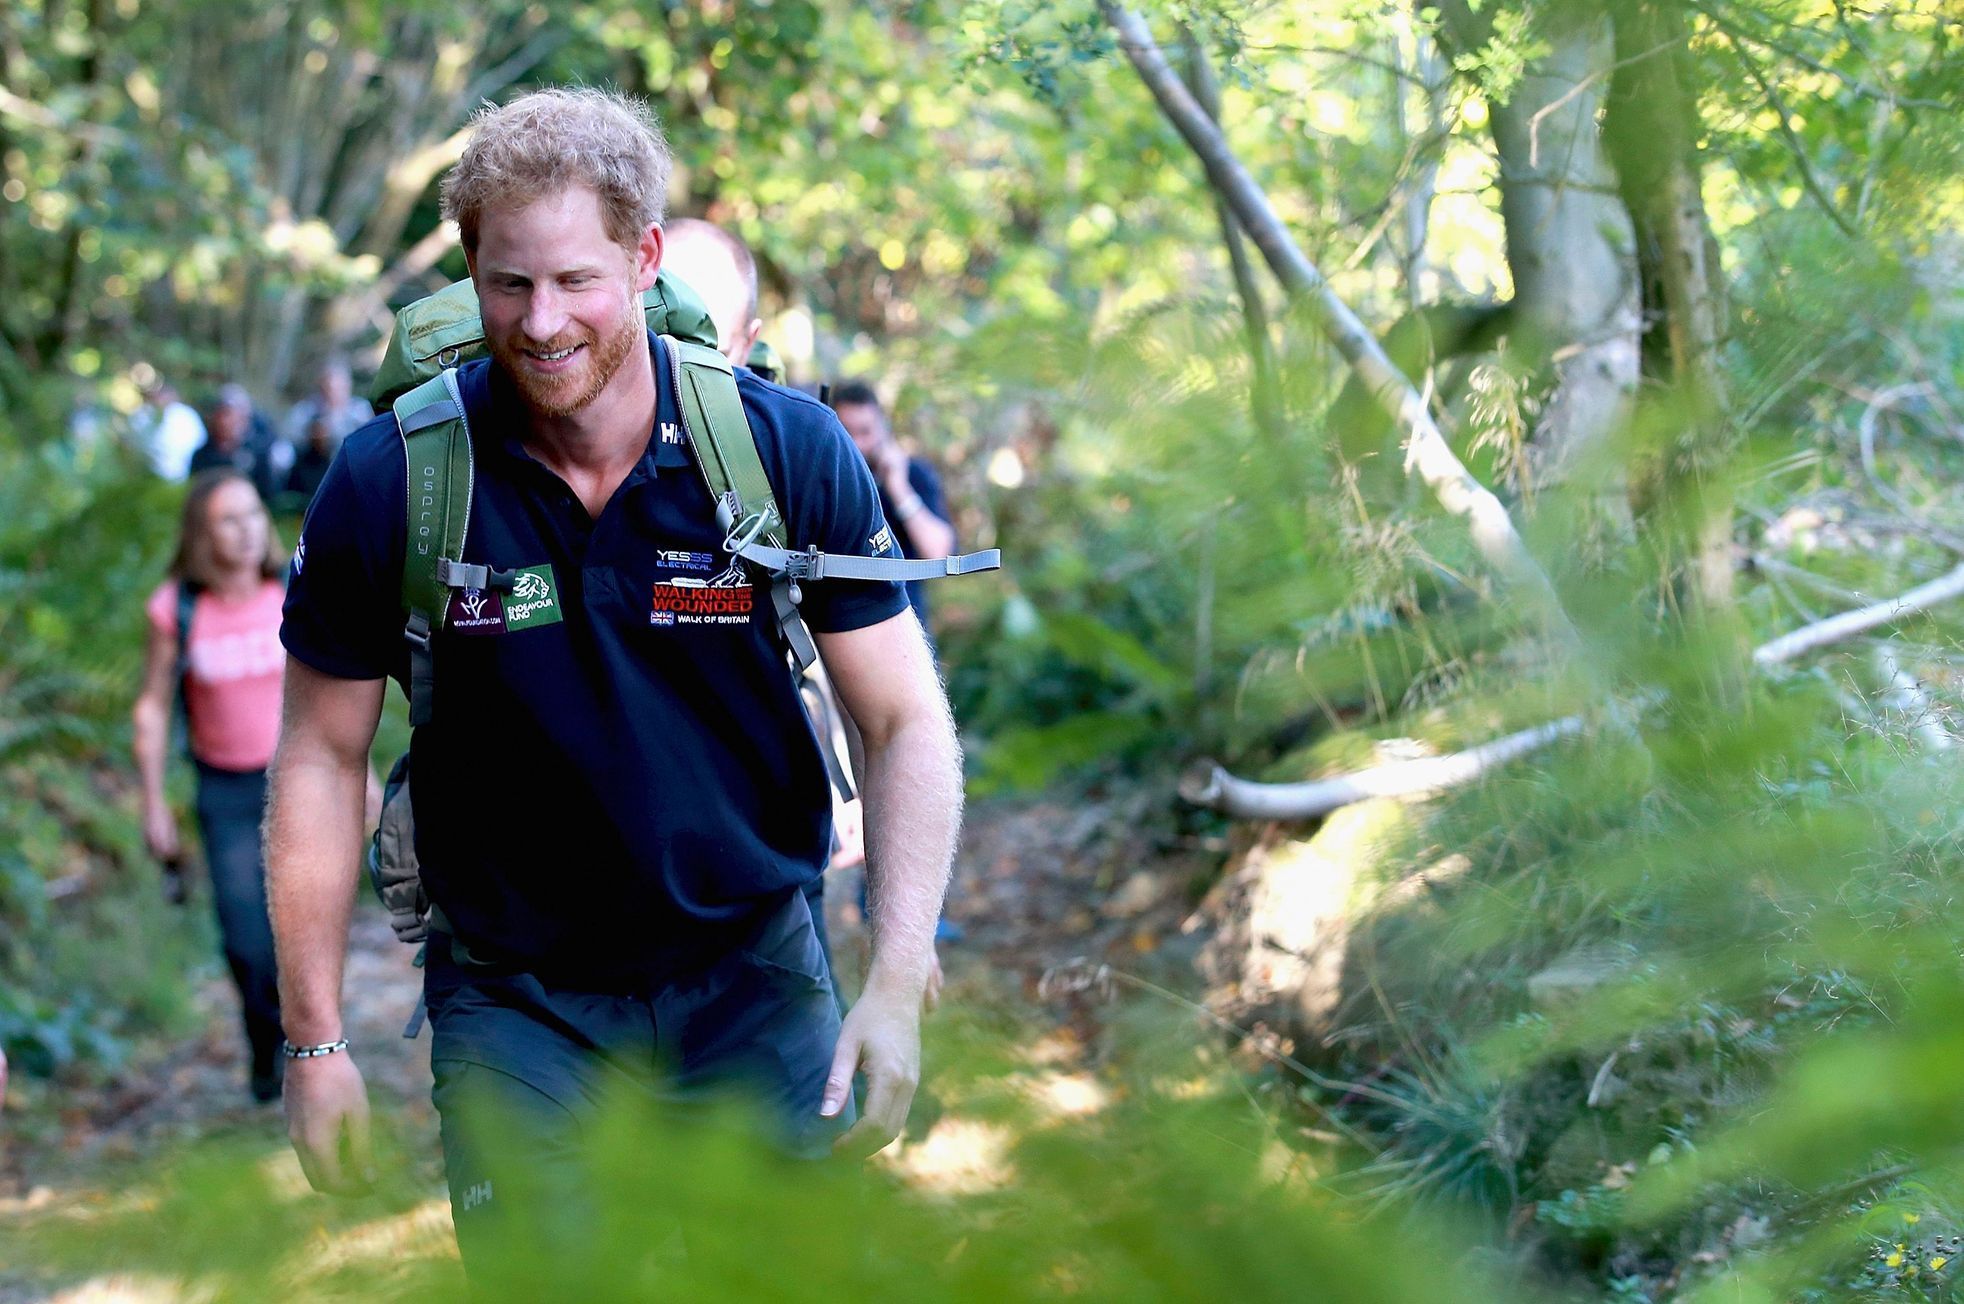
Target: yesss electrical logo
[(686, 561)]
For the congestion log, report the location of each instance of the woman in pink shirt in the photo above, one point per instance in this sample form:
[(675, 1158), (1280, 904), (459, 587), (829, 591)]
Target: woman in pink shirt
[(227, 577)]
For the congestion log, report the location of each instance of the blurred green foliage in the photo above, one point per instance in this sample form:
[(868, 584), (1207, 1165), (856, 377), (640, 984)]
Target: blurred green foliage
[(88, 952), (1159, 1182), (1747, 1093)]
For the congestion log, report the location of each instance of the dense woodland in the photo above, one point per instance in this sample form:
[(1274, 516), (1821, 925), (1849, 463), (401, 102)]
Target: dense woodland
[(1463, 751)]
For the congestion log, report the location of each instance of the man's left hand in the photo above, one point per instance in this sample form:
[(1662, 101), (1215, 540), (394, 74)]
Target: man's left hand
[(882, 1035)]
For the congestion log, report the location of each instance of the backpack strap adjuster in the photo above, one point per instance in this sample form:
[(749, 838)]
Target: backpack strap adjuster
[(745, 532), (471, 575)]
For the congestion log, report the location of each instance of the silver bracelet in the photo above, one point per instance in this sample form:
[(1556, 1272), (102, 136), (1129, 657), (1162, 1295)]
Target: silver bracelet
[(292, 1051), (907, 508)]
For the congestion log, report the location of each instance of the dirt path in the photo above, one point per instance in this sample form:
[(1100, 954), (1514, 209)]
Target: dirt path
[(82, 1140), (172, 1092), (1038, 884)]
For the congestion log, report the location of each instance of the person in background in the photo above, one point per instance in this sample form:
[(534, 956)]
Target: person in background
[(310, 465), (215, 647), (333, 406), (916, 510), (168, 430), (242, 440), (722, 271), (910, 491)]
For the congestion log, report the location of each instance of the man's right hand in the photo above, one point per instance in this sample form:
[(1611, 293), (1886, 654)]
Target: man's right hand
[(327, 1121)]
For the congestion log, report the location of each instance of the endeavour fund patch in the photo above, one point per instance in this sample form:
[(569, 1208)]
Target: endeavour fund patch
[(533, 600)]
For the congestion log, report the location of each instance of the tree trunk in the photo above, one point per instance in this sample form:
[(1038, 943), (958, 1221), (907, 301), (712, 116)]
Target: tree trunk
[(71, 294), (346, 132), (1569, 242), (1423, 65), (1652, 130), (1427, 453)]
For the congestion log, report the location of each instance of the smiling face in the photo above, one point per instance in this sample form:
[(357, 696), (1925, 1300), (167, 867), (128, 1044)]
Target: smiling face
[(561, 301)]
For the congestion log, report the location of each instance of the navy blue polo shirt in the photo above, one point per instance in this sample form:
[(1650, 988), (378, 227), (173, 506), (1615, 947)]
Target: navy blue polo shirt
[(618, 774)]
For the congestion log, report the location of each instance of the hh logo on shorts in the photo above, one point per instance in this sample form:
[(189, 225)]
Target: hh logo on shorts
[(533, 600)]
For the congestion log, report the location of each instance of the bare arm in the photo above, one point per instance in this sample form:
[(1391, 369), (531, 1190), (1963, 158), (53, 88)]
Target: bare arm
[(912, 790), (150, 721), (928, 536), (314, 816)]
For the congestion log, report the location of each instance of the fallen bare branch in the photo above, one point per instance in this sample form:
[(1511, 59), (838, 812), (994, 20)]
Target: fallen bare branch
[(1847, 624), (1211, 786)]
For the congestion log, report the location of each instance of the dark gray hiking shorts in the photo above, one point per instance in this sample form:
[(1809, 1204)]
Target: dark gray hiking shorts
[(530, 1079)]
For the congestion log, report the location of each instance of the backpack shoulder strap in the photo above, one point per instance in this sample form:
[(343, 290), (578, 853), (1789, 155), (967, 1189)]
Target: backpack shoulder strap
[(726, 450), (437, 451), (707, 395), (187, 608)]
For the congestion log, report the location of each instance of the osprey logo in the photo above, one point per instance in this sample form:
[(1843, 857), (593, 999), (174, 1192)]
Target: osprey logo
[(534, 599)]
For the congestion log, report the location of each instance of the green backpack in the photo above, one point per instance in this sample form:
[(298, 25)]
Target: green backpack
[(764, 361), (418, 378)]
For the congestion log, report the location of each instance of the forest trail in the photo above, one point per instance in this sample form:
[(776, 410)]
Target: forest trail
[(1039, 884)]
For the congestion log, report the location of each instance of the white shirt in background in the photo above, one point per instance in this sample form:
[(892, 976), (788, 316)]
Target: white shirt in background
[(169, 437)]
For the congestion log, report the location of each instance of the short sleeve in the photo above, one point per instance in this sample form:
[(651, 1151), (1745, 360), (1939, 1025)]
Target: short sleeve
[(343, 602), (161, 609), (832, 502)]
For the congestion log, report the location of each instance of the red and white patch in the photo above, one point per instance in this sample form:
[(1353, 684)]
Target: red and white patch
[(684, 600)]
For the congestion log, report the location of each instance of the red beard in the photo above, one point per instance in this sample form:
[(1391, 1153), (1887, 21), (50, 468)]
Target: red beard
[(564, 394)]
